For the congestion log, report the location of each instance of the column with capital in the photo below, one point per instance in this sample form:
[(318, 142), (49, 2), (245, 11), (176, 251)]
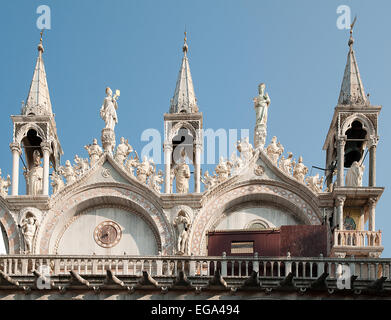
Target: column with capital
[(340, 158), (45, 146), (167, 147), (372, 162), (339, 202), (371, 207), (16, 152), (197, 168)]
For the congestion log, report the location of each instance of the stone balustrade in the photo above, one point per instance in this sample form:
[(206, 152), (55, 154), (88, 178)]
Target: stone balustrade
[(356, 238), (197, 266)]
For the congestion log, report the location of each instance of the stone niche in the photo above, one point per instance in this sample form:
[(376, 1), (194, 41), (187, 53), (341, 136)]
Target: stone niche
[(107, 231)]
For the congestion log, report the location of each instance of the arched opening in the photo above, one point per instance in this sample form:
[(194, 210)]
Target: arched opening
[(354, 149), (30, 143)]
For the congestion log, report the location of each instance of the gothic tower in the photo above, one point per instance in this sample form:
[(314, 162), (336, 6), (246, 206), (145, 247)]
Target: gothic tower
[(35, 132), (352, 135), (182, 126)]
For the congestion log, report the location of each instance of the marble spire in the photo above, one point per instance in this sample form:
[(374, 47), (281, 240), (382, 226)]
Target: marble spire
[(352, 89), (38, 98), (184, 99)]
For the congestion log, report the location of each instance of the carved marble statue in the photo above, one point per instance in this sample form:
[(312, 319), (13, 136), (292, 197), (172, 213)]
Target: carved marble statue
[(132, 163), (183, 224), (261, 105), (274, 150), (4, 185), (123, 150), (246, 149), (68, 172), (144, 170), (57, 182), (182, 174), (314, 183), (155, 181), (29, 227), (286, 164), (354, 175), (208, 180), (223, 170), (108, 110), (94, 151), (82, 165), (237, 163), (300, 170), (35, 175)]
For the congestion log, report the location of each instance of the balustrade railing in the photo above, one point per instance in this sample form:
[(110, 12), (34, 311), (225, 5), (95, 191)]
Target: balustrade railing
[(196, 266), (355, 238)]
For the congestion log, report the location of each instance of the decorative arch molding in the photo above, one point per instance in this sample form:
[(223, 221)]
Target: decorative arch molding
[(182, 124), (22, 132), (107, 195), (11, 229), (267, 224), (368, 126), (277, 194)]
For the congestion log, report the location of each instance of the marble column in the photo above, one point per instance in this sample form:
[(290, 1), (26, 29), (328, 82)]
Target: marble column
[(341, 159), (339, 202), (45, 146), (372, 163), (16, 152), (167, 147), (197, 168), (371, 207)]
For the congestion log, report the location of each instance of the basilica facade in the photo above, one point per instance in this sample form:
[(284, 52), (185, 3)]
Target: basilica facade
[(115, 226)]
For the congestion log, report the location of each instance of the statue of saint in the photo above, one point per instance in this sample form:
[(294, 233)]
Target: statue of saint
[(4, 185), (300, 170), (286, 164), (246, 149), (261, 105), (155, 181), (144, 170), (29, 226), (208, 180), (354, 175), (123, 150), (223, 170), (57, 182), (82, 165), (108, 110), (132, 163), (183, 224), (68, 172), (35, 175), (274, 150), (182, 174), (94, 151), (314, 183)]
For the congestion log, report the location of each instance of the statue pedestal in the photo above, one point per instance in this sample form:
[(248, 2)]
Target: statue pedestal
[(108, 140), (259, 136)]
